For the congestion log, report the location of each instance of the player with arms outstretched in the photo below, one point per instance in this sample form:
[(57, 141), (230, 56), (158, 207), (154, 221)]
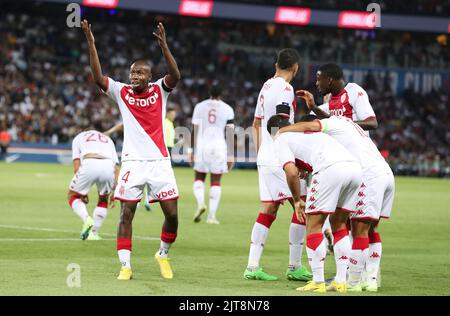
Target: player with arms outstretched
[(211, 118), (95, 161), (276, 97), (145, 158)]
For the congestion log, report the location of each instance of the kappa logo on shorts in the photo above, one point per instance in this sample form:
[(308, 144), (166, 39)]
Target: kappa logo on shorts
[(281, 194), (313, 190), (343, 258), (360, 212), (312, 198), (360, 203), (165, 194), (122, 190), (361, 194), (374, 255), (312, 207), (315, 181)]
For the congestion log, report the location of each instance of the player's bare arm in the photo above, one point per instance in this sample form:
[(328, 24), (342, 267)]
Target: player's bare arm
[(173, 75), (311, 104), (294, 185), (112, 201), (368, 124), (314, 126), (256, 130), (112, 130), (96, 68), (76, 165)]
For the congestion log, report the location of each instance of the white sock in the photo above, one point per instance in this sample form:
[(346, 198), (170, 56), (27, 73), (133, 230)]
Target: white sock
[(259, 236), (124, 257), (99, 216), (342, 250), (199, 193), (356, 265), (296, 238), (373, 261), (164, 249), (316, 258), (80, 209), (214, 199)]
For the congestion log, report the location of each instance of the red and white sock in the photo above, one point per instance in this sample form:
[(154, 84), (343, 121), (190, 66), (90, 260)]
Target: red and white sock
[(79, 207), (199, 192), (100, 213), (297, 233), (374, 259), (317, 250), (259, 235), (214, 198), (167, 239), (342, 249), (124, 251), (358, 258)]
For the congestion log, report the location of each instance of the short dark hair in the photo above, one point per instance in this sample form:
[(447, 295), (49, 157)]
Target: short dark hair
[(287, 58), (275, 122), (215, 91), (332, 70), (308, 118)]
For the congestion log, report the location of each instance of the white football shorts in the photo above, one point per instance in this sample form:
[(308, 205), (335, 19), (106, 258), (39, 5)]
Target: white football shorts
[(336, 187), (157, 175), (211, 159), (93, 171), (376, 197)]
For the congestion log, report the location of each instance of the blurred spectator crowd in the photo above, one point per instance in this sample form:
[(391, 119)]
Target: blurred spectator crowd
[(47, 93)]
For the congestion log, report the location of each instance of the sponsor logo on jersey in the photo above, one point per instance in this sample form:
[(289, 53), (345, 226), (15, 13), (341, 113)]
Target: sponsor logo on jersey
[(165, 194), (142, 102)]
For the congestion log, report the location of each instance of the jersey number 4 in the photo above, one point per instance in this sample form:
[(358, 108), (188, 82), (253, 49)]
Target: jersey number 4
[(125, 176), (91, 138)]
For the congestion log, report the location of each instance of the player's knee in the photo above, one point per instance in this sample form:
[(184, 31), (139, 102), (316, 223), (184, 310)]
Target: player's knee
[(172, 217)]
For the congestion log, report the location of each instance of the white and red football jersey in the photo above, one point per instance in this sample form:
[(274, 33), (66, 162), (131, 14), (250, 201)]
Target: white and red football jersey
[(352, 102), (143, 117), (355, 140), (275, 91), (316, 151), (212, 116), (93, 142)]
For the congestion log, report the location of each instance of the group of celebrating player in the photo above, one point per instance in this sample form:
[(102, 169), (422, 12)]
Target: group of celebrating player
[(326, 166)]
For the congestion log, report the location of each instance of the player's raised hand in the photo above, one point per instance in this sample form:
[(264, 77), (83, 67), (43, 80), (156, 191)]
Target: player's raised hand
[(161, 35), (87, 31), (308, 97)]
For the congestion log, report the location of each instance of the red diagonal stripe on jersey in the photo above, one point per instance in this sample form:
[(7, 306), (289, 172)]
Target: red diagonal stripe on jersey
[(148, 114)]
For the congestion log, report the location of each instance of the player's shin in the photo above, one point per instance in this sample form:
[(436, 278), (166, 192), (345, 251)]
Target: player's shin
[(100, 213), (317, 251), (358, 257), (296, 239), (258, 239), (79, 207), (199, 193), (374, 259), (342, 250), (214, 199), (124, 251)]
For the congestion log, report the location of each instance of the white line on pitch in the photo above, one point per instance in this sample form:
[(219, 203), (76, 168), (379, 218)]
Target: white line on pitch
[(67, 231), (45, 239)]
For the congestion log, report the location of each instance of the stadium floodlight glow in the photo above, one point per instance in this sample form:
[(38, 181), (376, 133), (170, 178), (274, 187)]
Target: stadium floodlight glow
[(198, 8), (108, 4), (357, 20), (291, 15)]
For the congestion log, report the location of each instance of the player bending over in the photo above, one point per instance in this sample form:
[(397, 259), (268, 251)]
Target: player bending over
[(276, 96), (349, 100), (335, 183), (376, 195), (94, 161), (145, 158), (211, 118)]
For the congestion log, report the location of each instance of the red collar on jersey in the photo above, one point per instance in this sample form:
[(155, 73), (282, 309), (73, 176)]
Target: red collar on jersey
[(144, 95), (338, 95)]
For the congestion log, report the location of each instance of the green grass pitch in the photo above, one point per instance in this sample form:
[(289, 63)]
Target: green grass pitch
[(206, 259)]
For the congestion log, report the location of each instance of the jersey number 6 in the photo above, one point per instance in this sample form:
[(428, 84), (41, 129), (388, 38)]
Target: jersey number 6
[(212, 116)]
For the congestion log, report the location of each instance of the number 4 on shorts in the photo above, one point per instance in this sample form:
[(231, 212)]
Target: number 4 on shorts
[(125, 176)]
